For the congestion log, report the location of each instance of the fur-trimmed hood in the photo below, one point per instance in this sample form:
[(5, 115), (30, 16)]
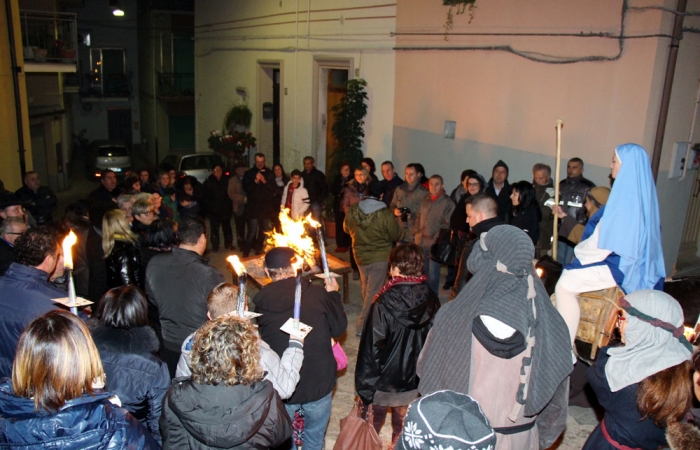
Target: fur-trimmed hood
[(683, 436), (118, 340)]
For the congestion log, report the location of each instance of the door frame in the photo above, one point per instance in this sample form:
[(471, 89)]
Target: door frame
[(321, 66), (264, 65)]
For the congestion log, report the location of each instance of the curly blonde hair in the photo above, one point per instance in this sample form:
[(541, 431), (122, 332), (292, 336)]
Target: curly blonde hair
[(226, 351)]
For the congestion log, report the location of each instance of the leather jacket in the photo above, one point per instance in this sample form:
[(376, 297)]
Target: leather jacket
[(396, 329), (572, 197), (123, 265)]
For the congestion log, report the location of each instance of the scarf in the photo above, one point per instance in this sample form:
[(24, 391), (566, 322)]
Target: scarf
[(435, 197), (505, 287), (654, 339), (396, 280)]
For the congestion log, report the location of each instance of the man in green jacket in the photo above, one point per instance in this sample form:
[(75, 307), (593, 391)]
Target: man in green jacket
[(374, 229)]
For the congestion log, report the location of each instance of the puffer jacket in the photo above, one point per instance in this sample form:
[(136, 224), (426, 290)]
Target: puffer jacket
[(134, 373), (373, 229), (205, 416), (572, 197), (432, 216), (124, 265), (84, 423), (396, 329), (25, 294)]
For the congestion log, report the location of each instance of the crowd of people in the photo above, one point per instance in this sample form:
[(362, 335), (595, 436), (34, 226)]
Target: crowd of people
[(162, 357)]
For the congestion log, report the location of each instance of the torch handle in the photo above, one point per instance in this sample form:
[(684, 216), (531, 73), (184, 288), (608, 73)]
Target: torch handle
[(557, 172), (71, 291)]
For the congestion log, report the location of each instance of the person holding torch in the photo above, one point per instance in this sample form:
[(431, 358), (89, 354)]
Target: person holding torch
[(322, 309)]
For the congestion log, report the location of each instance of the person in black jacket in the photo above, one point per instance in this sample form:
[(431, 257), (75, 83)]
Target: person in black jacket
[(127, 348), (56, 398), (10, 229), (482, 215), (322, 309), (397, 326), (122, 257), (219, 208), (317, 187), (178, 284), (499, 188), (37, 199), (342, 239), (97, 269), (226, 403), (526, 213), (259, 184), (390, 182)]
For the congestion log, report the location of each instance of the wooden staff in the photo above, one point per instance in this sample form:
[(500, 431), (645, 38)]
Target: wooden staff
[(557, 170)]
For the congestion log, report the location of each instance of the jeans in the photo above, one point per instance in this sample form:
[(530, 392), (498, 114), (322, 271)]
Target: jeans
[(254, 239), (372, 278), (432, 270), (316, 417), (565, 253)]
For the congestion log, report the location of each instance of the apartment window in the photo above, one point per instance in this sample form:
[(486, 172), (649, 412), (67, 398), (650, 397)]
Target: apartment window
[(108, 75)]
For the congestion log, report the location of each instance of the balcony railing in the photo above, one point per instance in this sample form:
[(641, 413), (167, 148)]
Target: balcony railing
[(114, 85), (175, 85), (49, 36)]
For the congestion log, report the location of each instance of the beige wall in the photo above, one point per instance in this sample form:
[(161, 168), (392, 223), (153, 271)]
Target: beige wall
[(227, 56), (9, 143), (506, 105)]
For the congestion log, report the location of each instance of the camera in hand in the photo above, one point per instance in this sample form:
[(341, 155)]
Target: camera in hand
[(404, 213)]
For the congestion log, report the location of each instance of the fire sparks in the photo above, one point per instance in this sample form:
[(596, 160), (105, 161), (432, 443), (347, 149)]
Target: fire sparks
[(294, 236)]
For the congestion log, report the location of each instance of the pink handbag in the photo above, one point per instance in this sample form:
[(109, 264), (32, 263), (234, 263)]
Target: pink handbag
[(340, 357)]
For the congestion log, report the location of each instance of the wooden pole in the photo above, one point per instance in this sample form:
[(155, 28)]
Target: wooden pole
[(557, 171)]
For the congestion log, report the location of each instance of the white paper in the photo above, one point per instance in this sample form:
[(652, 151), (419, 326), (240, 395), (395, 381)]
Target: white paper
[(301, 333)]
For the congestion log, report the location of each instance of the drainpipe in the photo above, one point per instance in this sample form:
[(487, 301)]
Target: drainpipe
[(668, 85), (15, 84)]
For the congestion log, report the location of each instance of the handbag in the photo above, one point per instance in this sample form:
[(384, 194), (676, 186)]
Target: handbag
[(341, 359), (444, 248), (357, 433)]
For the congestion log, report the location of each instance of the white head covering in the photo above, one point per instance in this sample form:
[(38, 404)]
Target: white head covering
[(654, 339)]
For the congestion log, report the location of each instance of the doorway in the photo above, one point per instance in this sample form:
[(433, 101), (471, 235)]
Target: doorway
[(269, 112), (119, 125), (330, 78)]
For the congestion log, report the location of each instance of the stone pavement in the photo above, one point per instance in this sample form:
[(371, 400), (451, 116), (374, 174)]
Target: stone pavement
[(580, 423)]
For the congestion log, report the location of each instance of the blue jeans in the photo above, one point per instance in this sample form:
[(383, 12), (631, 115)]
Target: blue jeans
[(316, 417), (565, 253), (432, 270)]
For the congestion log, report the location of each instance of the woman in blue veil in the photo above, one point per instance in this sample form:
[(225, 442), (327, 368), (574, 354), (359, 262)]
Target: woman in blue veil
[(621, 244)]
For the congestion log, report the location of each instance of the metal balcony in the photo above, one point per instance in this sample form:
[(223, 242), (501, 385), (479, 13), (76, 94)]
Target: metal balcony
[(175, 86), (49, 41)]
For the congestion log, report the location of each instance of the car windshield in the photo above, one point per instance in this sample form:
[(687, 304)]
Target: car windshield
[(198, 162), (112, 151)]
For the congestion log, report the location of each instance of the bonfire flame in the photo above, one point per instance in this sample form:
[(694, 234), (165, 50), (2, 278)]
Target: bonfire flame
[(294, 236)]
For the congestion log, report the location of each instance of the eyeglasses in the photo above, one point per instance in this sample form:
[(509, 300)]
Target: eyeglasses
[(147, 213), (16, 234)]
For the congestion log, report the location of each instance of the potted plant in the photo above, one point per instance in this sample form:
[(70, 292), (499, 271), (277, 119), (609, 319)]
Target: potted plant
[(348, 132), (237, 118)]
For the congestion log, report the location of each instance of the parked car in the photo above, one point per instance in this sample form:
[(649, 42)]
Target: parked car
[(198, 165), (112, 155)]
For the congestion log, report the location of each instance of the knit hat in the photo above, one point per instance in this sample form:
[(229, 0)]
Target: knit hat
[(279, 257), (447, 419), (500, 163)]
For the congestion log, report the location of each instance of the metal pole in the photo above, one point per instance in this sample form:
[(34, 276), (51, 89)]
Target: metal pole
[(15, 84)]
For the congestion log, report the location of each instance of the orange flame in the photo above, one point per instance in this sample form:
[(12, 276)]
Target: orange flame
[(68, 244), (293, 236), (236, 263)]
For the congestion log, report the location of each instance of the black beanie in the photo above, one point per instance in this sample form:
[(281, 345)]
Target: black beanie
[(500, 163), (279, 257)]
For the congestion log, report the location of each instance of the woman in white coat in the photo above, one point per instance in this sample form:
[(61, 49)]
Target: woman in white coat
[(295, 197)]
